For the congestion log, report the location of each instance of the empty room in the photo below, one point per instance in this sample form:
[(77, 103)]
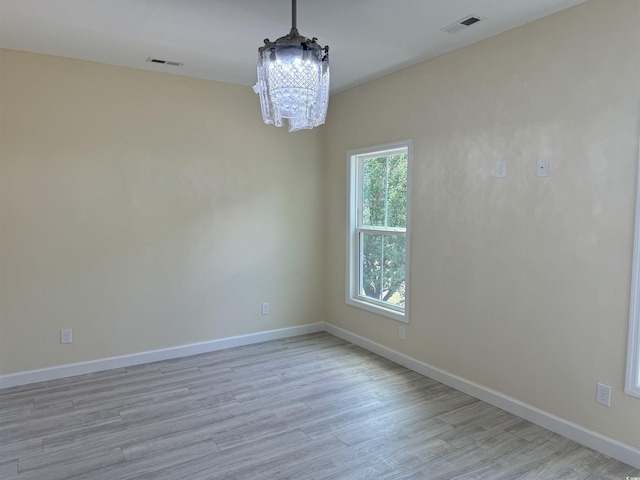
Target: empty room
[(319, 239)]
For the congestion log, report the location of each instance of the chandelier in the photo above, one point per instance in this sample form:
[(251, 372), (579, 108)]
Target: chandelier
[(293, 80)]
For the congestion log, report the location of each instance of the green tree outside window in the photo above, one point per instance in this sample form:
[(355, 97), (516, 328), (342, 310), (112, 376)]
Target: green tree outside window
[(384, 209)]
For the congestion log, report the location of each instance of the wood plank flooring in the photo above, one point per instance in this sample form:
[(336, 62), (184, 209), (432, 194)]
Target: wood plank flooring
[(308, 407)]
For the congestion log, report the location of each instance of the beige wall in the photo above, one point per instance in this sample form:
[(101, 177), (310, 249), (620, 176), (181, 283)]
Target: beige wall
[(146, 211), (519, 284)]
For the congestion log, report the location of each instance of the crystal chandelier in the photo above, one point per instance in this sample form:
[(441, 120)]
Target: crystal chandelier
[(293, 80)]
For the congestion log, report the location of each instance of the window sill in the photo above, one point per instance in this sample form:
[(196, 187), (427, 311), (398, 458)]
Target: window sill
[(379, 310)]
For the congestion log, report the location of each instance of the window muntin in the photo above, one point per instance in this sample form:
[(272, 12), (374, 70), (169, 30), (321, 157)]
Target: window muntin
[(378, 219)]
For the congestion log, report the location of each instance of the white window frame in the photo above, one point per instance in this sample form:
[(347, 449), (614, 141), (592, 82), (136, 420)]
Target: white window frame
[(632, 383), (353, 296)]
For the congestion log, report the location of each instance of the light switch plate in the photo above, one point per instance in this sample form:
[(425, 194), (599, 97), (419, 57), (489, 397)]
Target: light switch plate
[(501, 169)]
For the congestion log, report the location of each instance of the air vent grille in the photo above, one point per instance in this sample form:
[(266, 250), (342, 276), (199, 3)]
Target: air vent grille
[(462, 24), (164, 62)]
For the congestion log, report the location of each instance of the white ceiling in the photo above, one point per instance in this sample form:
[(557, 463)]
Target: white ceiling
[(219, 39)]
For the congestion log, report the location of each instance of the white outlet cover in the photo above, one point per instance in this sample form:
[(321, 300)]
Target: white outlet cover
[(66, 335), (603, 395), (501, 169)]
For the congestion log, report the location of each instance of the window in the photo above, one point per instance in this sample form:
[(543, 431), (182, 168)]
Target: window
[(632, 384), (378, 230)]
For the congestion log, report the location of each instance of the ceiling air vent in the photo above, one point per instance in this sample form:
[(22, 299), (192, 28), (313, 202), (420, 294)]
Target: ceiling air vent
[(462, 24), (164, 62)]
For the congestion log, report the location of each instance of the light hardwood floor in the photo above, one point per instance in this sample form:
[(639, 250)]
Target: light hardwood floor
[(308, 407)]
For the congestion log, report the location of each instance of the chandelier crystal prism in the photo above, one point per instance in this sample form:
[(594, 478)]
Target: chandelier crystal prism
[(293, 80)]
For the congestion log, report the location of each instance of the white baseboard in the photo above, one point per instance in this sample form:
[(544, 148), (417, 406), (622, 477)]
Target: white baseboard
[(573, 431), (608, 446), (93, 366)]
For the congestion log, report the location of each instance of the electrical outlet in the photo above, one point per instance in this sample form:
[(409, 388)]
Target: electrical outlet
[(401, 332), (265, 309), (603, 395), (66, 335)]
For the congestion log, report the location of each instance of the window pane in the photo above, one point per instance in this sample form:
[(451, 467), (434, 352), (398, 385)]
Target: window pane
[(382, 267), (395, 254), (370, 265), (374, 191), (397, 192)]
